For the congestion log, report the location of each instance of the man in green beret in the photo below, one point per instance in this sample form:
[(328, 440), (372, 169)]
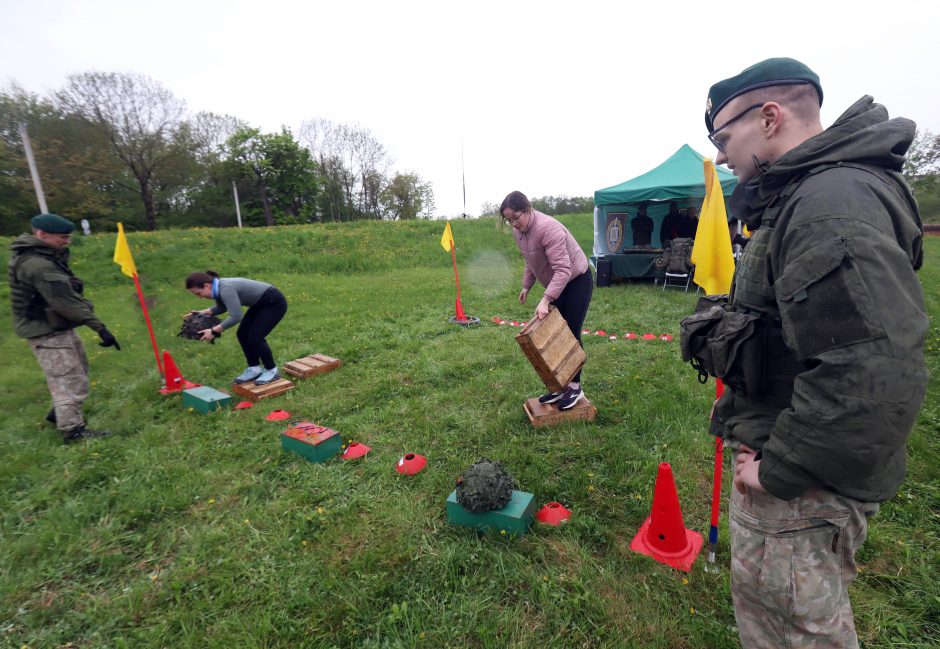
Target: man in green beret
[(47, 302), (822, 398)]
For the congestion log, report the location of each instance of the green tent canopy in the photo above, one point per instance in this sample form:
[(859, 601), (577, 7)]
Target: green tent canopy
[(680, 177), (678, 184)]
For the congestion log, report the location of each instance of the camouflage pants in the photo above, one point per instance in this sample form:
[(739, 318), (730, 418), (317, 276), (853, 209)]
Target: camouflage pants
[(791, 566), (62, 359)]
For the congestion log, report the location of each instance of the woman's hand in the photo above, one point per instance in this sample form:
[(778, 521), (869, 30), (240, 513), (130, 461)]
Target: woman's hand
[(542, 309), (523, 294), (207, 335)]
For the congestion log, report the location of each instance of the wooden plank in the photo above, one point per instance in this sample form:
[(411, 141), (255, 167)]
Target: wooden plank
[(254, 392), (541, 414), (312, 365), (552, 350)]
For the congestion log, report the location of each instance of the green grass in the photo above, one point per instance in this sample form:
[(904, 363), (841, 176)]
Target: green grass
[(183, 530)]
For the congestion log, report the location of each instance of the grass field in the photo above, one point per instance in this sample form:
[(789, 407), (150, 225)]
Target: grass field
[(184, 530)]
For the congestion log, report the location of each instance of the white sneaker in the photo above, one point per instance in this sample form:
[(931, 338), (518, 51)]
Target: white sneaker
[(249, 374), (267, 376)]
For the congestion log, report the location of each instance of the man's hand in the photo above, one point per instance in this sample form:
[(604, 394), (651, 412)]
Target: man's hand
[(108, 339), (542, 309), (523, 294), (746, 468)]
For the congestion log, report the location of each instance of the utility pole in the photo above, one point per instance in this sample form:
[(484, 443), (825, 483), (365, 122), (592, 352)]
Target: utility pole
[(33, 171), (238, 209)]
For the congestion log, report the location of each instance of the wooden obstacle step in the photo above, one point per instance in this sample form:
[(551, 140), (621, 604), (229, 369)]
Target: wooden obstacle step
[(311, 365), (254, 392), (541, 414)]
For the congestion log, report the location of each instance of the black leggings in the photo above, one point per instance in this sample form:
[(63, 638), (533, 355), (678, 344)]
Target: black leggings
[(258, 321), (573, 305)]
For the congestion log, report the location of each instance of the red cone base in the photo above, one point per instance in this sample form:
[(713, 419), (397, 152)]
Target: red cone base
[(663, 535), (666, 338), (649, 336), (241, 405), (411, 464), (277, 415), (461, 316), (553, 514), (355, 450), (630, 336), (173, 380)]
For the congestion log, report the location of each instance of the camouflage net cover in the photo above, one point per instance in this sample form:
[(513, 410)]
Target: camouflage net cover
[(193, 324), (484, 487)]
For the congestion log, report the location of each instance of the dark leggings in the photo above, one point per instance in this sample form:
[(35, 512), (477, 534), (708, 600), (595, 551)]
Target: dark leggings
[(573, 304), (258, 321)]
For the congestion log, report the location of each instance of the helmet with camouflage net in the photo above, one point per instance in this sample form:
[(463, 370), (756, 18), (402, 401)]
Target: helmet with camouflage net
[(196, 322), (484, 487)]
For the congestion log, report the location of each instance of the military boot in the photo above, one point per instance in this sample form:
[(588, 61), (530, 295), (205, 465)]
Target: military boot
[(81, 433)]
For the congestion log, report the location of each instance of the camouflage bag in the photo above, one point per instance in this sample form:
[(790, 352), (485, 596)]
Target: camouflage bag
[(193, 323), (484, 487)]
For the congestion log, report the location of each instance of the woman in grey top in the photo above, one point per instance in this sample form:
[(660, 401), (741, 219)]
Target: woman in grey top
[(266, 306)]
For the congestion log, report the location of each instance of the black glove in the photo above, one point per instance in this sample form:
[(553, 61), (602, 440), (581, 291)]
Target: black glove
[(108, 339)]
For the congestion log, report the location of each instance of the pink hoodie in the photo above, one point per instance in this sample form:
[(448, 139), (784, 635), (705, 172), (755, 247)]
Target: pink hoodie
[(551, 255)]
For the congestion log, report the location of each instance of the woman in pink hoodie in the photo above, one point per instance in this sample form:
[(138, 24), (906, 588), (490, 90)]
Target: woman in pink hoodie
[(554, 258)]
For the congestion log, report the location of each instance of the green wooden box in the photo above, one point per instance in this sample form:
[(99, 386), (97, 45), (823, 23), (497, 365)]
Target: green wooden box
[(205, 399), (310, 441), (515, 518)]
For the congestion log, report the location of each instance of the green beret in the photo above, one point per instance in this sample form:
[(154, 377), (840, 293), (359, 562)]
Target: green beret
[(772, 72), (52, 223)]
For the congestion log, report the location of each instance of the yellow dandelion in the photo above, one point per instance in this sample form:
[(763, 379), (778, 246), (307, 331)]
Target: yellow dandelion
[(320, 510), (247, 522), (502, 532), (685, 582), (590, 487), (212, 501), (692, 610), (303, 543)]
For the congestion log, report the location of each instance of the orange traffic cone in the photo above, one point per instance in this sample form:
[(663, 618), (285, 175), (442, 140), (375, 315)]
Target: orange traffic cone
[(173, 380), (663, 535)]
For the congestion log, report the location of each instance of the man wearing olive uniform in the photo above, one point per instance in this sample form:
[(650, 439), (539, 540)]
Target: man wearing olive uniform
[(47, 307), (819, 428)]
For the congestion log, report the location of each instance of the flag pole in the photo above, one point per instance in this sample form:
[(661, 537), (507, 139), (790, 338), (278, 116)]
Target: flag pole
[(461, 316), (714, 270), (716, 483), (153, 339)]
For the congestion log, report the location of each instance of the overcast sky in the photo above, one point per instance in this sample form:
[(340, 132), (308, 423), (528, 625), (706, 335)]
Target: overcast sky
[(546, 97)]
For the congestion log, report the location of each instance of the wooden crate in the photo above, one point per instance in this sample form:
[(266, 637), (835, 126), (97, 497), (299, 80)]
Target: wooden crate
[(540, 414), (311, 365), (552, 349), (254, 392)]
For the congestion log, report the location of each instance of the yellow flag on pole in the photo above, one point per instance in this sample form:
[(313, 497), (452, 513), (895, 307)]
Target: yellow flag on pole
[(122, 254), (711, 253), (447, 240)]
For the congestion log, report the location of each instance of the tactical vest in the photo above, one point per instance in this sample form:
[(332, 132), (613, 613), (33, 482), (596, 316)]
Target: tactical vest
[(752, 292), (27, 302)]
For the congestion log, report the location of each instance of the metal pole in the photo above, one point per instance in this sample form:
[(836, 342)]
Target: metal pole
[(238, 209), (33, 171)]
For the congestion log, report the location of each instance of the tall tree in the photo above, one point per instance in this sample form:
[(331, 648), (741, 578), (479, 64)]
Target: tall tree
[(141, 120), (350, 159), (72, 155), (283, 173), (405, 196)]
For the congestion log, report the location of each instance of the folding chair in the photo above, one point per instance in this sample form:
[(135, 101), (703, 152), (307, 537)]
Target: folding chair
[(677, 280)]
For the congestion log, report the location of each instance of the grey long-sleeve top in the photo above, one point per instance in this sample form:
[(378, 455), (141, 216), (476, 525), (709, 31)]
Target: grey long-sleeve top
[(233, 293)]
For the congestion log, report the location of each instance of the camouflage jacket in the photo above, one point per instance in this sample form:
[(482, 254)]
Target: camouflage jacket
[(832, 276), (45, 295)]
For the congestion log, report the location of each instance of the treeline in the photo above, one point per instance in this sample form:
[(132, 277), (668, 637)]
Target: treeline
[(115, 147), (552, 205), (922, 171)]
